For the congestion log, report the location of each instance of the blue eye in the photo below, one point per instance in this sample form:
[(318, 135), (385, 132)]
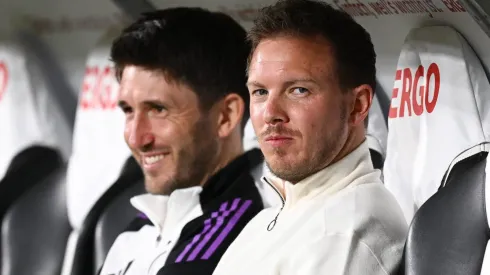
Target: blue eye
[(260, 92), (300, 91)]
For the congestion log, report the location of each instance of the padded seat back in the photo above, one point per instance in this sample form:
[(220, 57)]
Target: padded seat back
[(30, 113), (99, 150), (439, 114), (106, 219), (35, 139), (449, 233), (35, 133), (36, 228), (437, 150), (114, 219), (100, 161)]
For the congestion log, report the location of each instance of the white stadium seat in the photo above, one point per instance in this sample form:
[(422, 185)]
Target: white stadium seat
[(439, 132), (99, 156), (35, 142)]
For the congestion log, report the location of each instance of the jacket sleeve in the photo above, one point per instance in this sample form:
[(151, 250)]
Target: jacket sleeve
[(342, 255), (200, 252)]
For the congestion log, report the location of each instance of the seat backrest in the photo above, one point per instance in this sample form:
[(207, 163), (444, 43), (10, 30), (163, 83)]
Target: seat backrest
[(36, 228), (35, 134), (106, 219), (114, 219), (101, 163), (377, 133), (35, 139), (439, 114), (99, 150), (26, 169), (30, 114), (450, 231)]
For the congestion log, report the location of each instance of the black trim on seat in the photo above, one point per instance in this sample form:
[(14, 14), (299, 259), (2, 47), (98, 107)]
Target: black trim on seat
[(449, 233), (29, 167), (36, 228), (114, 220), (376, 158), (83, 263)]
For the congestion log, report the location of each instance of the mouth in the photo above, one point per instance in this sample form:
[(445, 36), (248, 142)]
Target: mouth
[(152, 159), (152, 162), (278, 141), (277, 138)]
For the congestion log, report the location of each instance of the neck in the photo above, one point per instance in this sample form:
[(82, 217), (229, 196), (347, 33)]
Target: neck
[(226, 153), (354, 139)]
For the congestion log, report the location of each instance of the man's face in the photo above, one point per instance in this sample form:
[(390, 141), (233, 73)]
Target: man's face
[(297, 107), (168, 134)]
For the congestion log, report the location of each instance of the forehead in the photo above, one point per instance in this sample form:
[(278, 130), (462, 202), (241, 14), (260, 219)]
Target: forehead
[(288, 56), (139, 84)]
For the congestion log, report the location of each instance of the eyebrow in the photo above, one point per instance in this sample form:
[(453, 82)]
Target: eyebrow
[(287, 83), (151, 103), (254, 83)]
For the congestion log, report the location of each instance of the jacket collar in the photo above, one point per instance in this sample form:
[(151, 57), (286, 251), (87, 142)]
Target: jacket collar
[(331, 179), (219, 182)]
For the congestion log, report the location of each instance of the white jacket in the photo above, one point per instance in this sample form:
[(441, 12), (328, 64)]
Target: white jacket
[(339, 221)]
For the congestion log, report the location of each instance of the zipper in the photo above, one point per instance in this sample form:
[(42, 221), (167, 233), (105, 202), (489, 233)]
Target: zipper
[(159, 238), (272, 224)]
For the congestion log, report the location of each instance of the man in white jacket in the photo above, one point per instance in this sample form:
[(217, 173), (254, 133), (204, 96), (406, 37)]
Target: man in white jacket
[(311, 79)]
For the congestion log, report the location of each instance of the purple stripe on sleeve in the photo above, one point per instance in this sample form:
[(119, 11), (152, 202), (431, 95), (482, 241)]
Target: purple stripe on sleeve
[(226, 230), (209, 235), (207, 226)]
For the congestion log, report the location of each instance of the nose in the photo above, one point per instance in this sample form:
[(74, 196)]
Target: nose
[(274, 111), (139, 133)]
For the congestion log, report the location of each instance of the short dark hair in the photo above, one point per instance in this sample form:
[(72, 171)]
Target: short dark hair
[(351, 43), (204, 50)]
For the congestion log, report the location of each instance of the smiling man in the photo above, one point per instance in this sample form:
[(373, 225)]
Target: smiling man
[(311, 80), (182, 89)]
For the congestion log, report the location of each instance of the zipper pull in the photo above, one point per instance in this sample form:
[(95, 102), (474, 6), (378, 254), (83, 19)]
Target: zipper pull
[(272, 224)]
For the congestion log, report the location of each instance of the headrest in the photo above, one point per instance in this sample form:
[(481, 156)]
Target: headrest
[(439, 113), (29, 112), (377, 131), (99, 150)]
